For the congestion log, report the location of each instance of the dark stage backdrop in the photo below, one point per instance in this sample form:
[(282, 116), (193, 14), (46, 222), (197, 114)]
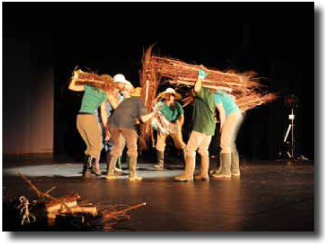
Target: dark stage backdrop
[(274, 39)]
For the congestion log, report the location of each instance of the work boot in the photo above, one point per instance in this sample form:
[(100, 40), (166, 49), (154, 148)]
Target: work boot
[(133, 169), (225, 161), (204, 174), (235, 164), (86, 171), (160, 160), (111, 162), (95, 169), (189, 170), (118, 168), (184, 156)]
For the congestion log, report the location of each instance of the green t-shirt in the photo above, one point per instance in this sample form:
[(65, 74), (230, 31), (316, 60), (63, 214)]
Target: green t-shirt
[(172, 114), (227, 102), (203, 113), (92, 99)]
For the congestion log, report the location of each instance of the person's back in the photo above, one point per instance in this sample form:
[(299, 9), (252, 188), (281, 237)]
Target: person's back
[(125, 114)]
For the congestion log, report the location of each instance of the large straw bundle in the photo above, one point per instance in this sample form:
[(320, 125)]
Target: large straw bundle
[(104, 82), (181, 73), (244, 87), (149, 81)]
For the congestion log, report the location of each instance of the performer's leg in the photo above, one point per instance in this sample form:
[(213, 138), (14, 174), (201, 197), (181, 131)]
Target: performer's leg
[(191, 147), (237, 121), (94, 138), (160, 146), (227, 140), (82, 132), (117, 139), (204, 152), (178, 140), (131, 139), (82, 129)]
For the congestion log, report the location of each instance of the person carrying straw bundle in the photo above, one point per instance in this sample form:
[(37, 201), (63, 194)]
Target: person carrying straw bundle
[(203, 129)]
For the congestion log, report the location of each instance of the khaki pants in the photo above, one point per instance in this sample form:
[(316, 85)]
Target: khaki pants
[(229, 132), (119, 137), (88, 128), (175, 134), (198, 141)]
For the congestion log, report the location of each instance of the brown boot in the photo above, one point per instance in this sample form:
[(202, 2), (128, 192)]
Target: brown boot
[(204, 174), (133, 169), (160, 160), (111, 163), (235, 164), (86, 171), (95, 167), (225, 160), (189, 170)]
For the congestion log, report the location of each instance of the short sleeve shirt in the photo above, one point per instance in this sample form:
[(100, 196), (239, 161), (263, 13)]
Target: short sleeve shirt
[(203, 113), (125, 114), (92, 99), (227, 101), (172, 113)]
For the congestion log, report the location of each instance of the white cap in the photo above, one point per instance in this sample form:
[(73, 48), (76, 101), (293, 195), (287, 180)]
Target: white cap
[(121, 79), (170, 90)]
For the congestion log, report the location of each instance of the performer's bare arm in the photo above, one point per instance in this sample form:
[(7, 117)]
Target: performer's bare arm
[(181, 120), (146, 117), (103, 114), (112, 100), (198, 85), (222, 114), (74, 87)]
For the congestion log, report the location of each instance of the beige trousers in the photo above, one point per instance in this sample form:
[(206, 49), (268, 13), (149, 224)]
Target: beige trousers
[(229, 132), (88, 128), (198, 141), (175, 134), (119, 137)]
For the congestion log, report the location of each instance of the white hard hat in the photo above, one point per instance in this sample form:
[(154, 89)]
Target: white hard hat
[(120, 78)]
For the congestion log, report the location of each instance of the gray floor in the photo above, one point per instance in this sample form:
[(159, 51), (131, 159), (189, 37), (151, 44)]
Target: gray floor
[(269, 196)]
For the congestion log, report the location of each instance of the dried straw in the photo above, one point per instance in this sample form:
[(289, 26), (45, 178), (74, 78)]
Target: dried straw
[(104, 82)]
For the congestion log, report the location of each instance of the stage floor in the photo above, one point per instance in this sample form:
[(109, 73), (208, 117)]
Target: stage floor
[(268, 196)]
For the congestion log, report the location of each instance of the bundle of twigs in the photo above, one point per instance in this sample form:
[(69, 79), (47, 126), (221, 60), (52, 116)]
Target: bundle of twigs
[(149, 81), (104, 82), (103, 215), (181, 73), (245, 87)]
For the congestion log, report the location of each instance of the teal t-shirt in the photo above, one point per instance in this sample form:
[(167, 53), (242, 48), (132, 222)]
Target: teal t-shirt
[(203, 113), (227, 101), (172, 113), (92, 99)]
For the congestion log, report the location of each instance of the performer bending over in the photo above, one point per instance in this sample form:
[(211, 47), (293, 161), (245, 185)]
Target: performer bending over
[(87, 124), (114, 98), (174, 113), (203, 129), (123, 129), (230, 121)]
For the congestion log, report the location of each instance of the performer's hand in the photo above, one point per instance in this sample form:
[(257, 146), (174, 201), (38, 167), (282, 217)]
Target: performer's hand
[(108, 136), (157, 108), (202, 74)]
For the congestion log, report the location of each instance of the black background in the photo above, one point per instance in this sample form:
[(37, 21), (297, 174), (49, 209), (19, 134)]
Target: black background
[(274, 39)]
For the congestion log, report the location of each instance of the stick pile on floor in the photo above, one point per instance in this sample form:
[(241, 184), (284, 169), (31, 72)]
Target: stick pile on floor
[(101, 215)]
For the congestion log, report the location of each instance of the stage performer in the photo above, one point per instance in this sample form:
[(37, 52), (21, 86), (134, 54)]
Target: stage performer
[(230, 121), (87, 125), (122, 126), (174, 113), (203, 129), (114, 98)]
